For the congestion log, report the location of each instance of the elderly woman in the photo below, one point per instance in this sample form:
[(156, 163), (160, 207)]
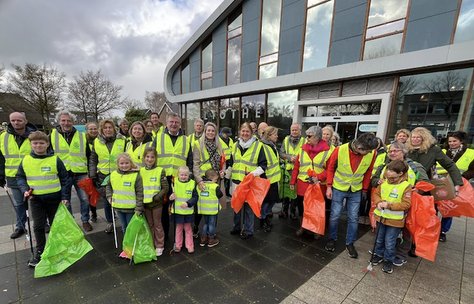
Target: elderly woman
[(314, 155), (328, 133), (336, 140), (105, 149), (139, 140), (247, 157)]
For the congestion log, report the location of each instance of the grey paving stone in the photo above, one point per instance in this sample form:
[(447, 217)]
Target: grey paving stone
[(441, 281), (449, 258), (353, 268), (349, 301), (418, 295), (467, 289), (285, 278), (292, 300), (9, 286), (395, 283), (364, 293), (335, 281), (260, 290), (312, 292)]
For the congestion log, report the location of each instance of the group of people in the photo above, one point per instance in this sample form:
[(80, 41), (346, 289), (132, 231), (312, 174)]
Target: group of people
[(157, 171)]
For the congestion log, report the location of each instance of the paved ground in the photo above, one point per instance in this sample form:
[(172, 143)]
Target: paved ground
[(269, 268)]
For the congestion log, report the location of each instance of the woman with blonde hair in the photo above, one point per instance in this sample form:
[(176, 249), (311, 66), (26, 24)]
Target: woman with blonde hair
[(139, 140)]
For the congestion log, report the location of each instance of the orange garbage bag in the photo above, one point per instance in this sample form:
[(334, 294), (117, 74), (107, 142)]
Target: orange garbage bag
[(87, 185), (314, 215), (461, 205), (251, 190), (410, 221)]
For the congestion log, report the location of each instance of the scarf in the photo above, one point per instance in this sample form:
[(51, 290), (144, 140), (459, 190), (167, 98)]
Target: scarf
[(453, 152), (214, 157), (246, 144)]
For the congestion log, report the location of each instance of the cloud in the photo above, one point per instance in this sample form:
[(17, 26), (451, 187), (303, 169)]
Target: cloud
[(130, 41)]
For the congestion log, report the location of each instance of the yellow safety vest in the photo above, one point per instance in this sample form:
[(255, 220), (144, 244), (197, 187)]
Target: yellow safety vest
[(244, 164), (183, 192), (379, 160), (392, 193), (462, 163), (42, 174), (411, 175), (73, 155), (123, 186), (318, 163), (151, 183), (203, 156), (12, 153), (208, 203), (344, 178), (292, 150), (137, 154), (227, 149), (192, 139), (170, 157), (272, 172), (108, 160)]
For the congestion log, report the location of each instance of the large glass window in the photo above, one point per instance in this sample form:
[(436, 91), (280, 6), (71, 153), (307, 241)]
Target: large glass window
[(253, 108), (209, 111), (185, 78), (385, 26), (433, 101), (280, 111), (270, 38), (465, 26), (234, 49), (229, 114), (193, 111), (206, 66), (318, 32)]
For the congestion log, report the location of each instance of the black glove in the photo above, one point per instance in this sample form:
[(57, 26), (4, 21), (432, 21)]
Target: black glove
[(3, 182), (363, 197)]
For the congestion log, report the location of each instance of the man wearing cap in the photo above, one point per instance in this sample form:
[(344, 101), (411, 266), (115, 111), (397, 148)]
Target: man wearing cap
[(227, 144)]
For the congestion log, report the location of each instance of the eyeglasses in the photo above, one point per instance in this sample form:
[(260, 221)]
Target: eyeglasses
[(394, 151), (309, 136)]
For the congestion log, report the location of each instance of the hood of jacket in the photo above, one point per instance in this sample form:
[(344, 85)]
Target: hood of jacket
[(28, 129)]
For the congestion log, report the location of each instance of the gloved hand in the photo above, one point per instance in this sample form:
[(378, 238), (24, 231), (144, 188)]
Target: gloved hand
[(3, 182), (363, 197), (257, 172), (228, 173)]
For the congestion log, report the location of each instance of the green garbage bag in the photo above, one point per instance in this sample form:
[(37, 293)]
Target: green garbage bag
[(138, 236), (66, 245), (285, 191)]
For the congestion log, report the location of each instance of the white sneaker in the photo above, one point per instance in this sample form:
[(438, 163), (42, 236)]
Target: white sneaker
[(159, 251)]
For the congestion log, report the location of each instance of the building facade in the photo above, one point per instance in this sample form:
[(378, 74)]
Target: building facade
[(359, 65)]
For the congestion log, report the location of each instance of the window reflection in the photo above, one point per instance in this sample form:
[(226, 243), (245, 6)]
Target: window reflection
[(193, 111), (465, 25), (386, 46), (234, 49), (383, 11), (229, 114), (185, 78), (209, 111), (318, 31), (280, 110), (268, 70), (270, 36), (359, 108), (253, 108), (206, 66)]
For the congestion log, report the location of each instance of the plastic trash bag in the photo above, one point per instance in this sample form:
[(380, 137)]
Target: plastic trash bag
[(138, 241), (251, 190), (66, 245), (314, 215), (461, 205), (285, 191), (87, 185)]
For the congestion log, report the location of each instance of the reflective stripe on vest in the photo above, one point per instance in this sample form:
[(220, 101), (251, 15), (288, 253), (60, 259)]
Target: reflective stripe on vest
[(272, 172), (12, 153), (392, 193), (462, 163), (183, 192), (151, 183), (318, 163), (123, 186), (291, 149), (171, 157), (73, 155), (42, 174), (137, 154), (344, 178), (208, 203), (244, 164), (204, 156), (227, 149), (107, 160)]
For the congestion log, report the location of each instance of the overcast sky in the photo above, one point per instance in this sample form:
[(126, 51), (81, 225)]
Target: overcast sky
[(131, 41)]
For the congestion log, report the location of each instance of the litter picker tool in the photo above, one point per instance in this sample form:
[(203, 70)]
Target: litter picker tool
[(115, 227), (133, 249), (370, 266), (25, 202)]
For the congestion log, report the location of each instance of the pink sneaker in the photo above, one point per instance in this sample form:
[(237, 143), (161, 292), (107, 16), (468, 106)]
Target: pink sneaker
[(123, 255)]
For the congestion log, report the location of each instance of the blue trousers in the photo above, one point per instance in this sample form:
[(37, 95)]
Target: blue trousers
[(352, 204)]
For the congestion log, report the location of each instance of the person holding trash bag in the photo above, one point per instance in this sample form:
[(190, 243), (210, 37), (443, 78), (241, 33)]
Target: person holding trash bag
[(313, 156), (103, 161), (155, 188), (46, 175), (392, 198), (247, 157), (463, 157)]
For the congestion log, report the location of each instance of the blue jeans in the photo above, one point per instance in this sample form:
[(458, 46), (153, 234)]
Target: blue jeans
[(386, 241), (446, 223), (20, 210), (248, 219), (125, 219), (267, 208), (83, 198), (210, 224), (352, 205)]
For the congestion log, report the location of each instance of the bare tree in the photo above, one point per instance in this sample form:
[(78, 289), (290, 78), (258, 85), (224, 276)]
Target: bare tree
[(40, 86), (93, 94), (131, 104), (155, 100)]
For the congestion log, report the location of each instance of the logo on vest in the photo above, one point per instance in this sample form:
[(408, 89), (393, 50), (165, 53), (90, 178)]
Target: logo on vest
[(127, 184), (189, 192), (152, 179), (45, 169), (205, 193)]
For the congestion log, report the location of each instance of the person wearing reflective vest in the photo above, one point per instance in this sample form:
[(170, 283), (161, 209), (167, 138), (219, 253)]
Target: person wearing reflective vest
[(313, 156), (392, 199), (124, 190), (155, 188), (71, 146), (103, 161), (273, 173), (290, 149), (208, 205), (45, 175), (198, 132), (227, 145), (348, 176), (157, 125), (139, 140), (184, 198), (248, 157), (14, 145)]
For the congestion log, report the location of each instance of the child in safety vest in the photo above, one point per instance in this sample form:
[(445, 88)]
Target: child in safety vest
[(185, 197), (43, 177), (155, 187), (392, 199), (208, 206), (125, 191)]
